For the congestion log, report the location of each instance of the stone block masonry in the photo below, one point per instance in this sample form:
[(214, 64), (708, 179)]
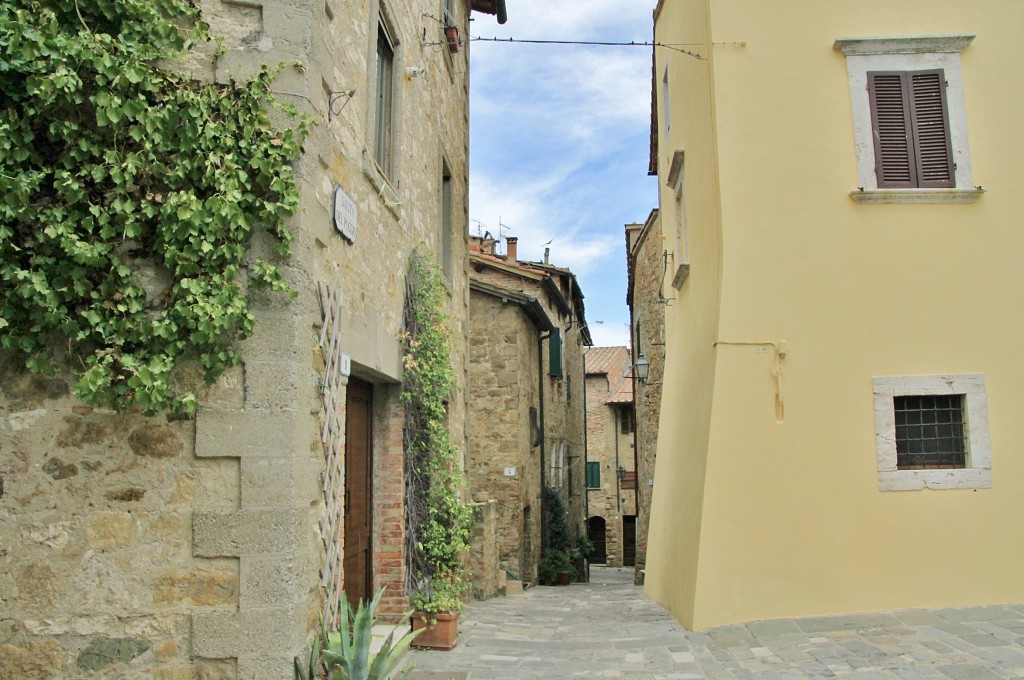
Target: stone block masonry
[(96, 567), (189, 548)]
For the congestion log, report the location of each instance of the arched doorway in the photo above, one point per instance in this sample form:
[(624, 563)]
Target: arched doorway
[(596, 534)]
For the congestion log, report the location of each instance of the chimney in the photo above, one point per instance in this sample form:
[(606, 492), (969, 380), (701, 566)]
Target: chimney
[(512, 250), (547, 254)]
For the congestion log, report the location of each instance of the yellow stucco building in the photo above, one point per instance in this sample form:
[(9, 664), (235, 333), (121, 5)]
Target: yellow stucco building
[(840, 430)]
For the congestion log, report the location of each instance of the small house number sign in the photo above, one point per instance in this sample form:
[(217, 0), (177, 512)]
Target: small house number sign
[(344, 214)]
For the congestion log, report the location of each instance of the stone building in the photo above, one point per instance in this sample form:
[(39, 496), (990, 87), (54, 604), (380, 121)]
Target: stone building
[(211, 547), (646, 297), (611, 464), (526, 429)]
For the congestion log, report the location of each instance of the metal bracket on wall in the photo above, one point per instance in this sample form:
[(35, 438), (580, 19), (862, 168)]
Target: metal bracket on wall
[(334, 97)]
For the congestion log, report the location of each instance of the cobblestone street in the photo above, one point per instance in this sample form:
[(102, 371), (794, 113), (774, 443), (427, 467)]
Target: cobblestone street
[(608, 629)]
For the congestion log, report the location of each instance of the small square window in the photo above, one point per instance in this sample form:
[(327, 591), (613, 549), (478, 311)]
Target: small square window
[(932, 432)]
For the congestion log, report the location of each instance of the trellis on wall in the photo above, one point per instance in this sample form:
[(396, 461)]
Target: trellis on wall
[(332, 384)]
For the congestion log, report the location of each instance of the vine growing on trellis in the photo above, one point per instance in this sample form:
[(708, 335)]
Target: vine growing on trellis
[(128, 198), (437, 519)]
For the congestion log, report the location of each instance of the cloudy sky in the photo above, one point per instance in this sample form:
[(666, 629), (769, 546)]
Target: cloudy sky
[(559, 141)]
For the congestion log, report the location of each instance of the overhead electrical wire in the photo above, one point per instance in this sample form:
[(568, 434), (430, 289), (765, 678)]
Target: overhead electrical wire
[(677, 47)]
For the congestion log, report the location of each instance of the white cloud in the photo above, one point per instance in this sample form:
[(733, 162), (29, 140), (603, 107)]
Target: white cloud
[(609, 334), (559, 137)]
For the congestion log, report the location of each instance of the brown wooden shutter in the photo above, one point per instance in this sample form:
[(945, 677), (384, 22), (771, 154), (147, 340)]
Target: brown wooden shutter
[(910, 125), (890, 118), (931, 129)]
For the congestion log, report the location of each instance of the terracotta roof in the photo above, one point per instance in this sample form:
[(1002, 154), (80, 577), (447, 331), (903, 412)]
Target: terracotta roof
[(623, 392), (600, 359)]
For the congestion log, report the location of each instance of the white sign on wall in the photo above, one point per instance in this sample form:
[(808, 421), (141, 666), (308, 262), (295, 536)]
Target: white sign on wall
[(344, 214)]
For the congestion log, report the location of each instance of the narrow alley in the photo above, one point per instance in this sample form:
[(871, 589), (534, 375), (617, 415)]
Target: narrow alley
[(608, 629)]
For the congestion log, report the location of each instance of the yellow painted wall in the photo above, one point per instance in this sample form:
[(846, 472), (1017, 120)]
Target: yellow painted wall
[(786, 519), (691, 321)]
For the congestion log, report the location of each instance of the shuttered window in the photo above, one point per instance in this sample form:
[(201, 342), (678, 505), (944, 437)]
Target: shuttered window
[(910, 124), (555, 354), (593, 475)]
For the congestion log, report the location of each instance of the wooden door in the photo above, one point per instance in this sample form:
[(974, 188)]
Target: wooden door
[(358, 492), (596, 534), (629, 540)]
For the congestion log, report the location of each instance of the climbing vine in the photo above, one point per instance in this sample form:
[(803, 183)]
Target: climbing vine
[(436, 517), (128, 197)]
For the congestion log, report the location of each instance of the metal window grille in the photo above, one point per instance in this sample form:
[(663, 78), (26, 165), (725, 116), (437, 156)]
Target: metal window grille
[(930, 431)]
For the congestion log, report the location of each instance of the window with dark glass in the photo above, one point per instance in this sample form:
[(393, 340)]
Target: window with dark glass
[(383, 134), (930, 431)]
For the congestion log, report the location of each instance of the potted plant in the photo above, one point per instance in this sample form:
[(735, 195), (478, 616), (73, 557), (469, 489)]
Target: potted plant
[(436, 614), (555, 567), (580, 556), (344, 654), (451, 36), (437, 518)]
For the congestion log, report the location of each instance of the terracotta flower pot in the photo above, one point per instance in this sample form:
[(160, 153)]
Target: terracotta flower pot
[(451, 36), (563, 578), (443, 634)]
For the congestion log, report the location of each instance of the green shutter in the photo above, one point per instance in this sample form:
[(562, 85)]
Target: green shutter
[(555, 353), (594, 475)]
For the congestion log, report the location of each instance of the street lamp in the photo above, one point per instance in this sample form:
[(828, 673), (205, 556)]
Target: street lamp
[(643, 367)]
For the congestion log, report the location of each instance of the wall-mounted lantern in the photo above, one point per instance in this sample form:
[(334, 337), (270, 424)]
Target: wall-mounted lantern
[(643, 367)]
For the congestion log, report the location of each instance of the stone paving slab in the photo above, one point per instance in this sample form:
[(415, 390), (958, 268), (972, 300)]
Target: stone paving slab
[(608, 629)]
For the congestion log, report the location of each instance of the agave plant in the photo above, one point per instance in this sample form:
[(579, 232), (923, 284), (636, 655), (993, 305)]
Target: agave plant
[(345, 653)]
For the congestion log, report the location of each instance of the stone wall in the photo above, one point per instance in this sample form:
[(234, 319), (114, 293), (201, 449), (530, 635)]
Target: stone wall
[(611, 448), (510, 366), (565, 426), (648, 323), (190, 548), (96, 567), (484, 561), (503, 389)]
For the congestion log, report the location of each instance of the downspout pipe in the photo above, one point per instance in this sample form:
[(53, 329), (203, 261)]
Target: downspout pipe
[(543, 437)]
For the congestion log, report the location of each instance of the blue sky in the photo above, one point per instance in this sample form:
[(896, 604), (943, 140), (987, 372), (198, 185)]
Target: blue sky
[(559, 141)]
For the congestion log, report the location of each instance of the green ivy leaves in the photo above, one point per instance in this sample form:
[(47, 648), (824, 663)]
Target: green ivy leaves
[(438, 519), (129, 197)]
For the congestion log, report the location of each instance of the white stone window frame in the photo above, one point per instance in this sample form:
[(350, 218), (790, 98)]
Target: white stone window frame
[(908, 53), (977, 472), (676, 181)]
